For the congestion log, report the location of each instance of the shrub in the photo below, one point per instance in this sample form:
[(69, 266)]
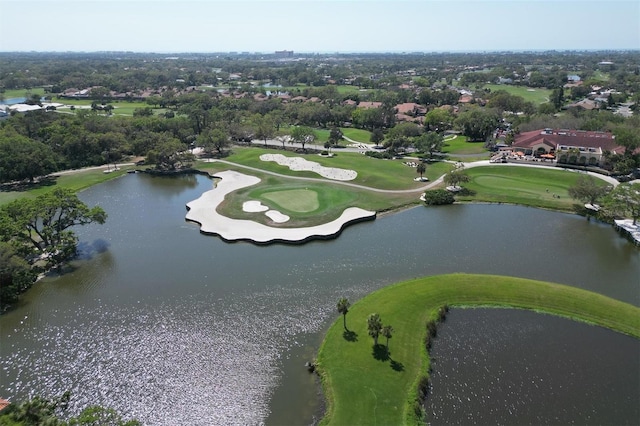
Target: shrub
[(379, 155), (438, 197)]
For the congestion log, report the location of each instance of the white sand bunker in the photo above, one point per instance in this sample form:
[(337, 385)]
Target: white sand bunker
[(203, 211), (299, 164), (257, 207), (277, 217), (254, 207)]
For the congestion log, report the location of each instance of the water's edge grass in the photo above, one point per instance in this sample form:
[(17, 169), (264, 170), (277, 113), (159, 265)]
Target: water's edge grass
[(362, 389)]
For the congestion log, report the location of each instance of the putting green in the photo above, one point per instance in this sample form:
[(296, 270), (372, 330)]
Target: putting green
[(295, 200)]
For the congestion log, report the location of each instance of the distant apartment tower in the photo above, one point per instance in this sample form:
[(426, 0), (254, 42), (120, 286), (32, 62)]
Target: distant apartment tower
[(284, 53)]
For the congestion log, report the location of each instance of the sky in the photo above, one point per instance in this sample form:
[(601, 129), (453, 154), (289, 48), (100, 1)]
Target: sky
[(323, 26)]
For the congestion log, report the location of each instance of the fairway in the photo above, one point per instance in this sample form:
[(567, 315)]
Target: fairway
[(295, 200), (458, 145), (529, 186), (372, 172), (536, 95), (363, 387)]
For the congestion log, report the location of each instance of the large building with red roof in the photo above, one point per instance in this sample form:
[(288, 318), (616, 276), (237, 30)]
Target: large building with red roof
[(569, 146)]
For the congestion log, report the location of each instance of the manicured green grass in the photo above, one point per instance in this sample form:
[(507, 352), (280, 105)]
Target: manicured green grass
[(74, 181), (459, 146), (297, 200), (536, 95), (332, 198), (23, 93), (527, 186), (601, 76), (120, 107), (374, 173), (361, 389), (358, 135)]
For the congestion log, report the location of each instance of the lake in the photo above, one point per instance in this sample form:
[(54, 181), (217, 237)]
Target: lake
[(168, 325)]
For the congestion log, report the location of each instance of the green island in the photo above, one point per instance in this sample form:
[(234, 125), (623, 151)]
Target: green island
[(363, 386)]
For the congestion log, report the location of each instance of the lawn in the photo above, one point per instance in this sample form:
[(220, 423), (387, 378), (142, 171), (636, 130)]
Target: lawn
[(23, 93), (529, 186), (373, 173), (300, 200), (120, 107), (74, 181), (358, 135), (321, 203), (536, 95), (367, 385), (600, 76), (458, 145)]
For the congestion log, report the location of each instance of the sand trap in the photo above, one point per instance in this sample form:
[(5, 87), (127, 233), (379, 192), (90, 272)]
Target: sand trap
[(277, 217), (257, 207), (203, 211), (254, 207), (299, 164)]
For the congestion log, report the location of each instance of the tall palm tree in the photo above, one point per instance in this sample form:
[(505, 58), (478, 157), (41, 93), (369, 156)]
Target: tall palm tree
[(421, 169), (374, 324), (343, 308), (386, 332)]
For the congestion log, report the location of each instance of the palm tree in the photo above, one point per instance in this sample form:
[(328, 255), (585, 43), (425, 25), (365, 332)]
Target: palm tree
[(386, 332), (374, 324), (421, 169), (343, 308)]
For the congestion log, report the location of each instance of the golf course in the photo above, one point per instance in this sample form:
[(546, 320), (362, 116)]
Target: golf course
[(367, 384)]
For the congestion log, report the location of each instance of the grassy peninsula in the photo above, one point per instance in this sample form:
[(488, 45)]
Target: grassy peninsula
[(363, 387)]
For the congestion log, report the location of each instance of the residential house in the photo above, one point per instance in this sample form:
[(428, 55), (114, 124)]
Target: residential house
[(410, 111), (367, 104)]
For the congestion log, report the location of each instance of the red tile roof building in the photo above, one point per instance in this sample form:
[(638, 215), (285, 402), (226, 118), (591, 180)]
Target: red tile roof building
[(569, 146)]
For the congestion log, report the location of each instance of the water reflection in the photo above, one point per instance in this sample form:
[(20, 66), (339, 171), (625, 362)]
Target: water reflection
[(168, 324), (496, 366)]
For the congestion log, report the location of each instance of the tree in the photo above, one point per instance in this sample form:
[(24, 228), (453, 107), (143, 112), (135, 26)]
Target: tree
[(377, 136), (263, 127), (624, 201), (587, 189), (23, 158), (629, 138), (169, 154), (374, 325), (478, 124), (16, 276), (43, 223), (387, 331), (455, 178), (335, 136), (438, 197), (302, 135), (212, 139), (438, 120), (96, 415), (37, 411), (49, 412), (429, 142), (421, 169), (343, 308), (557, 97)]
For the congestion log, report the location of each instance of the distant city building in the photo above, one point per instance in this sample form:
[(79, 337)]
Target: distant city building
[(284, 53)]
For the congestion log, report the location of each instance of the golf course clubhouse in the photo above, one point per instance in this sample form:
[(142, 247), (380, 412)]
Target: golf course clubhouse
[(567, 146)]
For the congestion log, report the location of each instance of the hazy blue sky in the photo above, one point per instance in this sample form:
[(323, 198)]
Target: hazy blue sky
[(318, 26)]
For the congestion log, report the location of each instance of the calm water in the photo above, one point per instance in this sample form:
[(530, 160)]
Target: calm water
[(497, 366), (166, 324)]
